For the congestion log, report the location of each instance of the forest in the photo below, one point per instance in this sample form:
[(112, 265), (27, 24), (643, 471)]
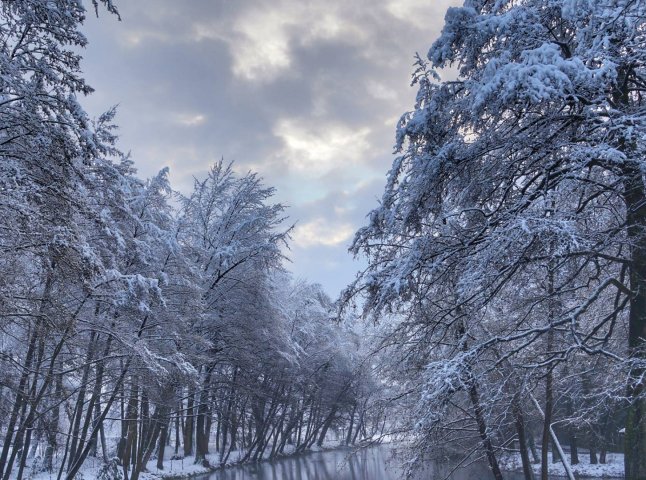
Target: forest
[(501, 312), (510, 238), (132, 316)]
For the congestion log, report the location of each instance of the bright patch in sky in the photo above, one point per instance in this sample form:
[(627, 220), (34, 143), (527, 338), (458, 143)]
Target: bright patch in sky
[(322, 232), (191, 120), (263, 49), (316, 151)]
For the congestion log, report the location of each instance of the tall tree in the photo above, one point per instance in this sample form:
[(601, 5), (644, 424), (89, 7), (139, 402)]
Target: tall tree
[(532, 158)]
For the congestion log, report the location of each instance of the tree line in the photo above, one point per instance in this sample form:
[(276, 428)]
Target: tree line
[(509, 246), (133, 319)]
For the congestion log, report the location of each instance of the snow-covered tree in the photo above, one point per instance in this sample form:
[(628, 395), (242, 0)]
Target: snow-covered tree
[(519, 189), (124, 314)]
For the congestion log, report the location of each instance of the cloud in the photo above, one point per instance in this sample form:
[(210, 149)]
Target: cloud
[(315, 150), (190, 119), (322, 232), (306, 92), (263, 36), (419, 13), (261, 48)]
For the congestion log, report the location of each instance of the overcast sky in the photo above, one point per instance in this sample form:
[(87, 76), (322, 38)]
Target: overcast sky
[(307, 93)]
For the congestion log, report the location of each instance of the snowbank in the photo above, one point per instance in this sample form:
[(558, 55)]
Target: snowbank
[(614, 468)]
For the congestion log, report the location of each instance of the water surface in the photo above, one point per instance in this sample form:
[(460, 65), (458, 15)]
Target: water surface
[(375, 463)]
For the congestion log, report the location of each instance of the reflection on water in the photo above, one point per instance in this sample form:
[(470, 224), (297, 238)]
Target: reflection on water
[(367, 464)]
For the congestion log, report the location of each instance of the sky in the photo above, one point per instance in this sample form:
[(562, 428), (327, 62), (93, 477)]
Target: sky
[(306, 93)]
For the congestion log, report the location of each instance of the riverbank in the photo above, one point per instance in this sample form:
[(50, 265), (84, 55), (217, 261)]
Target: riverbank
[(173, 468), (178, 469), (613, 468)]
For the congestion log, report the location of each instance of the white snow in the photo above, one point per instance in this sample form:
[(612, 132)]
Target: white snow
[(613, 468)]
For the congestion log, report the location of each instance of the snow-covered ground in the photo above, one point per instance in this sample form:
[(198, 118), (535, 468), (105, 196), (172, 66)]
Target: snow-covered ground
[(181, 468), (177, 468), (91, 470), (614, 468), (173, 467)]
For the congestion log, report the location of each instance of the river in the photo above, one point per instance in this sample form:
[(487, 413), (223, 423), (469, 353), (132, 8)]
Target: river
[(373, 463)]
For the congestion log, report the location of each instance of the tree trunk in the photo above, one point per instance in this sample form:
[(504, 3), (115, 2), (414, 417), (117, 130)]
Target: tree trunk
[(532, 448), (348, 437), (25, 432), (478, 410), (132, 415), (189, 423), (161, 450), (522, 439), (99, 424), (93, 411), (555, 454), (149, 436), (482, 428), (178, 421), (52, 427), (326, 425), (202, 427), (19, 404), (593, 452), (547, 421), (574, 451), (574, 448), (117, 388), (217, 431), (635, 437), (80, 400)]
